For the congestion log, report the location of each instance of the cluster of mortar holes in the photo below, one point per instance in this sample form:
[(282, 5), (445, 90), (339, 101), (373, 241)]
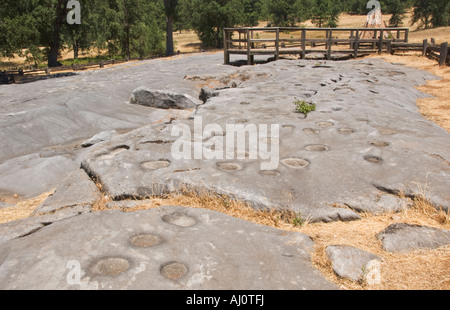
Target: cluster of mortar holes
[(325, 124), (113, 152), (145, 240), (179, 219), (173, 270), (295, 162), (155, 165), (373, 159), (270, 173), (346, 131), (229, 166), (380, 143), (311, 130), (111, 266), (316, 148)]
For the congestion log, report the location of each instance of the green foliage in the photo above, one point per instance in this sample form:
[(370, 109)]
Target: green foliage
[(210, 17), (398, 10), (303, 107), (429, 14), (298, 220), (325, 13), (38, 29)]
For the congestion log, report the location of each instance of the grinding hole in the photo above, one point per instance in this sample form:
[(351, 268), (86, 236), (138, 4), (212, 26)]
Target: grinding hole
[(380, 143), (325, 124), (145, 240), (173, 271), (245, 103), (229, 166), (365, 120), (209, 108), (155, 165), (288, 126), (346, 131), (265, 117), (271, 173), (311, 130), (373, 159), (110, 266), (337, 109), (113, 152), (316, 148), (296, 163), (241, 121), (179, 219), (270, 141)]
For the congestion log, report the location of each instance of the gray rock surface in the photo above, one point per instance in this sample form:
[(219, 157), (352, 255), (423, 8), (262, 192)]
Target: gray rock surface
[(32, 175), (354, 150), (24, 227), (77, 189), (163, 248), (406, 238), (162, 99), (349, 262), (379, 204), (103, 136)]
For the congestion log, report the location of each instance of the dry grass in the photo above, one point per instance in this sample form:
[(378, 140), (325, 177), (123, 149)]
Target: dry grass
[(436, 108), (423, 269), (21, 209)]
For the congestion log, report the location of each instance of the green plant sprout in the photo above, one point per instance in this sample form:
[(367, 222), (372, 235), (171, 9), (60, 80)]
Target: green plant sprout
[(301, 106)]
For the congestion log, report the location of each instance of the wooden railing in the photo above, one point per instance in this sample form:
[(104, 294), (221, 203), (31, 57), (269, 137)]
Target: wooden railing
[(29, 74), (302, 41)]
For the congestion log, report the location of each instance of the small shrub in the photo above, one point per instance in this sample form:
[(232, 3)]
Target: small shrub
[(298, 221), (303, 107)]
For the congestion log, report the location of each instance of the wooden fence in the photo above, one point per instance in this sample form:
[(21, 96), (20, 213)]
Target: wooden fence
[(331, 42), (29, 74)]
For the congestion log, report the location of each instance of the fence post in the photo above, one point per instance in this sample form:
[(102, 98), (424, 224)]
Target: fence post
[(303, 43), (433, 41), (444, 52), (249, 59), (225, 48), (425, 47), (389, 46), (356, 44), (351, 37), (380, 42), (406, 35), (277, 45), (330, 40)]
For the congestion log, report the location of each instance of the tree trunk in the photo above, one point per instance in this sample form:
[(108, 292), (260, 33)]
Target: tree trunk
[(56, 40), (75, 49), (169, 36)]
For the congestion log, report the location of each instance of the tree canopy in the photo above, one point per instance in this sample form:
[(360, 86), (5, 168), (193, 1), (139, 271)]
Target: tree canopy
[(39, 30)]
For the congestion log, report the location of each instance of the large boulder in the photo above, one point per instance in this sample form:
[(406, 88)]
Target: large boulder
[(350, 262), (162, 99), (402, 237), (167, 248), (76, 190)]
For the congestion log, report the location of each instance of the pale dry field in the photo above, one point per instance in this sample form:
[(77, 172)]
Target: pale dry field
[(418, 270)]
